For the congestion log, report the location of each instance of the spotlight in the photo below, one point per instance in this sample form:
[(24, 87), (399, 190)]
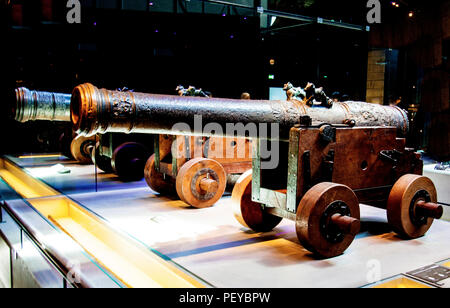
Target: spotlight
[(411, 14)]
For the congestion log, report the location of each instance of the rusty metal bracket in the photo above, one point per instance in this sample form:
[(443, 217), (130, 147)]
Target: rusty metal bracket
[(106, 145), (390, 156), (292, 185), (207, 144), (305, 121), (157, 153), (256, 177), (174, 157), (306, 159), (327, 133), (328, 167)]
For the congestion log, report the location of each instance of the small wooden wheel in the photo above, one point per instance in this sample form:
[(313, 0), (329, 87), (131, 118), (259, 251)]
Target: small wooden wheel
[(412, 207), (103, 162), (251, 214), (328, 219), (201, 182), (129, 160), (65, 141), (81, 149), (156, 180)]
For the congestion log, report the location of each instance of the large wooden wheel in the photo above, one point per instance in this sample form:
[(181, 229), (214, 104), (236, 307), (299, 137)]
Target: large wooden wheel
[(251, 214), (201, 182), (129, 160), (156, 180), (328, 219), (101, 161), (81, 149), (412, 207)]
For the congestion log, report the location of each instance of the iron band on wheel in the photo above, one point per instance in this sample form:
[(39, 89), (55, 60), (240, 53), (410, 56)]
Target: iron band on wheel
[(331, 231)]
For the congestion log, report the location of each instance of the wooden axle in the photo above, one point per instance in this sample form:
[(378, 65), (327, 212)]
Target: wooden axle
[(209, 185), (430, 209), (346, 224)]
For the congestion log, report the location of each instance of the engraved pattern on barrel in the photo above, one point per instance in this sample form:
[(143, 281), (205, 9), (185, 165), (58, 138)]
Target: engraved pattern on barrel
[(37, 105), (101, 111)]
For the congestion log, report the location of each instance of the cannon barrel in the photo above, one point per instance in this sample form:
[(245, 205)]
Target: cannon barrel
[(102, 111), (36, 105)]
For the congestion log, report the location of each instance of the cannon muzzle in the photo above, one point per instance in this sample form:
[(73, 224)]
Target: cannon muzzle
[(102, 111), (35, 105)]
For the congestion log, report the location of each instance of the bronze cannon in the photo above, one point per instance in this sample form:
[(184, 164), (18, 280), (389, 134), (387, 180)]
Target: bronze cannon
[(37, 105), (34, 105), (101, 111)]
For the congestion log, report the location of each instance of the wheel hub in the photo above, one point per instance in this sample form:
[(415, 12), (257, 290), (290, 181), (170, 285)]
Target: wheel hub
[(86, 147), (330, 231), (200, 175), (418, 217)]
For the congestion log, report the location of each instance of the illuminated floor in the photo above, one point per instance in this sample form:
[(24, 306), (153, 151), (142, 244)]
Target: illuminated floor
[(212, 245)]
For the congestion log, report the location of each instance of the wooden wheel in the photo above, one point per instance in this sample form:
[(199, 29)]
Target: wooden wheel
[(65, 141), (251, 214), (328, 219), (129, 160), (412, 207), (103, 162), (81, 148), (156, 180), (201, 182)]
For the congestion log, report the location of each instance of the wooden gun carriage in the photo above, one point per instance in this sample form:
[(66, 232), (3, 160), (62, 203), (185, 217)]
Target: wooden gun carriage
[(326, 178), (198, 168)]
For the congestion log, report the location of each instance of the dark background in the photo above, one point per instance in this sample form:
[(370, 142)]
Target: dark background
[(153, 52)]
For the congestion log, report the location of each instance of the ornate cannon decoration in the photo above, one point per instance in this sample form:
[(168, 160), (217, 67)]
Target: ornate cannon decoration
[(309, 95), (192, 91), (331, 159), (104, 151), (121, 154), (36, 105)]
